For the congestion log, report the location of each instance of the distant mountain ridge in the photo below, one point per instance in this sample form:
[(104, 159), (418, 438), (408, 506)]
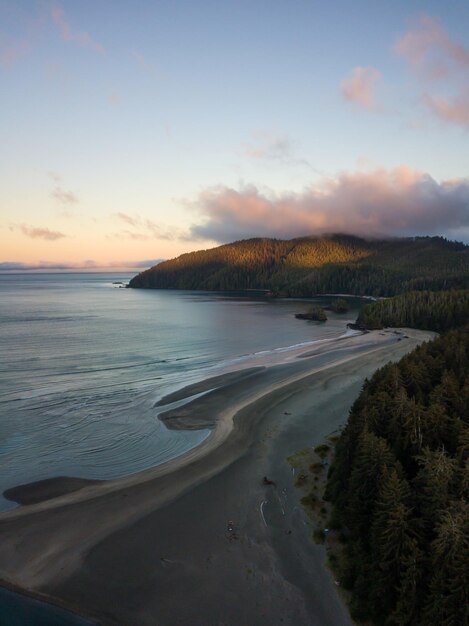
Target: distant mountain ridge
[(315, 265)]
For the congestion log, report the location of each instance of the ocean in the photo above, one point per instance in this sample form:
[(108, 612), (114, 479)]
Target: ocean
[(84, 362)]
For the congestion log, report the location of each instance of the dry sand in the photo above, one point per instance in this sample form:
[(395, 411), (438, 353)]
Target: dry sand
[(155, 548)]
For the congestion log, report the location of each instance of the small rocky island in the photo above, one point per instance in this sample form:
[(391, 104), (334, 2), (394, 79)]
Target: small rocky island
[(315, 312)]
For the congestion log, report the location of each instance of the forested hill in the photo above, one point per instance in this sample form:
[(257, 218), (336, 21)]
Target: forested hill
[(314, 265)]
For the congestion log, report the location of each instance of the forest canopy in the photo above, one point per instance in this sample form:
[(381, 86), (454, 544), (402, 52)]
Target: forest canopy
[(427, 310), (399, 486), (317, 265)]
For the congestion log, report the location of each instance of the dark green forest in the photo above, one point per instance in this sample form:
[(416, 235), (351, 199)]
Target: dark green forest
[(317, 265), (427, 310), (399, 486)]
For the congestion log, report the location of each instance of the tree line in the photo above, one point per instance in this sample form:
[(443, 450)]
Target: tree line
[(427, 310), (399, 486)]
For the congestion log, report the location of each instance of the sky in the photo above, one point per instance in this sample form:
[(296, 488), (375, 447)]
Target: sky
[(136, 131)]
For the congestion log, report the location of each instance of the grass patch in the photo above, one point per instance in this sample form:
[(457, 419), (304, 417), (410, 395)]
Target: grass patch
[(310, 501), (322, 450), (300, 480), (316, 468), (295, 459)]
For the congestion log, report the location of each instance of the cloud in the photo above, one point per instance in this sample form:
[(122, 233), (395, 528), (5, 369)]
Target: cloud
[(63, 196), (40, 233), (430, 50), (359, 87), (145, 229), (266, 146), (11, 52), (380, 202), (82, 39), (145, 66), (55, 176), (128, 219), (12, 266), (436, 58), (29, 24), (139, 57), (137, 264), (129, 234), (44, 265), (454, 110)]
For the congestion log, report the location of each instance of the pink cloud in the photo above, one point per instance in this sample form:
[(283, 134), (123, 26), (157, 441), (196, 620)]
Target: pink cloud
[(401, 201), (30, 27), (11, 52), (146, 66), (454, 110), (41, 233), (433, 55), (82, 39), (359, 87), (429, 49)]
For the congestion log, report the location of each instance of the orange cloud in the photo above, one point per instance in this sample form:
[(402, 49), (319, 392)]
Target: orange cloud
[(82, 39), (381, 202), (359, 87)]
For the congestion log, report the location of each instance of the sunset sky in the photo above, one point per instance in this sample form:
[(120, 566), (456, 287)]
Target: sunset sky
[(133, 131)]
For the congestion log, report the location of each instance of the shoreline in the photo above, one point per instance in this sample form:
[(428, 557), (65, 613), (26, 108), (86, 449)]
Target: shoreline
[(220, 426), (48, 547)]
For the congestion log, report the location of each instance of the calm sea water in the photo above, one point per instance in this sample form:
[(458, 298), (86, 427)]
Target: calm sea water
[(83, 363)]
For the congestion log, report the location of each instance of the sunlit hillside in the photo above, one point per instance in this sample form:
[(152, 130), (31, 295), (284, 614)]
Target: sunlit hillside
[(311, 265)]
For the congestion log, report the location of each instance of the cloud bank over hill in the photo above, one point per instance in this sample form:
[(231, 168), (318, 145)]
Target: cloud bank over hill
[(398, 202)]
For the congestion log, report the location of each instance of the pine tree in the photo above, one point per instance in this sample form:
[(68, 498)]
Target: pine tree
[(407, 610), (448, 600), (373, 456), (391, 538)]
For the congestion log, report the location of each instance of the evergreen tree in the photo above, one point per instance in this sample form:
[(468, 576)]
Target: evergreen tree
[(391, 537), (448, 600), (399, 486)]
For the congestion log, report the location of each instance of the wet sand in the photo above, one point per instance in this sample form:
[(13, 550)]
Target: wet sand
[(155, 547), (32, 493)]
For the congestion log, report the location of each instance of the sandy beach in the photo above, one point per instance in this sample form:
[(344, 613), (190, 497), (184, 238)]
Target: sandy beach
[(200, 540)]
